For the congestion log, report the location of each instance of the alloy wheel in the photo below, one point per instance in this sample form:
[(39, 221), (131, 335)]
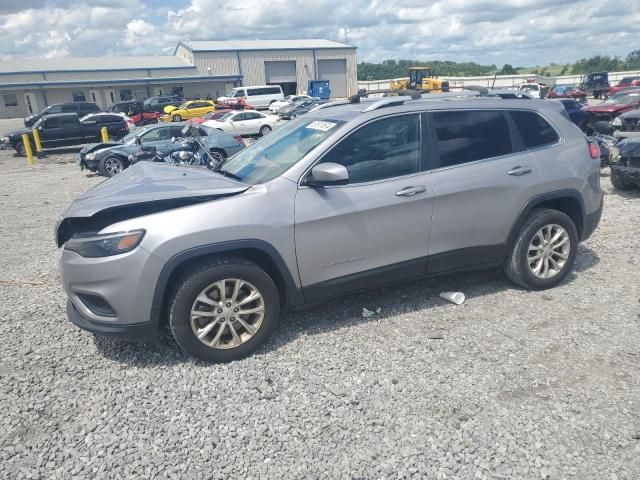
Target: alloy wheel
[(227, 313), (548, 251), (113, 166)]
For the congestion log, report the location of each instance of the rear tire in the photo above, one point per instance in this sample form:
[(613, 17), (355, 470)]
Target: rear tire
[(618, 181), (176, 118), (199, 290), (264, 130), (556, 257)]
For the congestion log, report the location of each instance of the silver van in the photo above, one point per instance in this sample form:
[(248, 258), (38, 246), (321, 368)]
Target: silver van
[(259, 96)]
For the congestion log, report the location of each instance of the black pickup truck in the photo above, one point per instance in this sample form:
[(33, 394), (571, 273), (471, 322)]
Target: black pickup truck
[(66, 129)]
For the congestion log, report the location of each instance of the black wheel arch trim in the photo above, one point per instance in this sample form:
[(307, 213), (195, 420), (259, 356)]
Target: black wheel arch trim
[(540, 199), (292, 294)]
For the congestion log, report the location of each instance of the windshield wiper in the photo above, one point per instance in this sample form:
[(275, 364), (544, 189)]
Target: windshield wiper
[(228, 174)]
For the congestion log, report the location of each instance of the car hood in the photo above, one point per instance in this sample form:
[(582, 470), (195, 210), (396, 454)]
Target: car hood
[(169, 108), (142, 189), (18, 132), (288, 108), (616, 107), (90, 147)]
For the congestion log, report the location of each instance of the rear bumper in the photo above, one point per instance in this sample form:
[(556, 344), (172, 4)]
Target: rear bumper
[(137, 332), (591, 222)]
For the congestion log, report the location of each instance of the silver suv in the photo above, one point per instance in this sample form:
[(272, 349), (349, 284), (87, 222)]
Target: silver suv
[(345, 198)]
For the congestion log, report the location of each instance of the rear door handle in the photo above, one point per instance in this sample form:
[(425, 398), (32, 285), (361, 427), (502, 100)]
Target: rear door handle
[(411, 191), (519, 171)]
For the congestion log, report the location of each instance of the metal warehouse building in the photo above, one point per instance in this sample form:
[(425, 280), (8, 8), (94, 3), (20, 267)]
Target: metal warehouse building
[(198, 69)]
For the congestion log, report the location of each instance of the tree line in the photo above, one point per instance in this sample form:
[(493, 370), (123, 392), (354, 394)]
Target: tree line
[(398, 68)]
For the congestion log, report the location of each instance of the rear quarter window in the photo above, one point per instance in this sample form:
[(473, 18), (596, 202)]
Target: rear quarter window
[(534, 129)]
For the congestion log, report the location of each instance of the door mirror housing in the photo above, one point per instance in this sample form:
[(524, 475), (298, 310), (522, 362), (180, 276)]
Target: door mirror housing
[(327, 174)]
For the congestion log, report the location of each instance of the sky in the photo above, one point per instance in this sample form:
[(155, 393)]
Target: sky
[(518, 32)]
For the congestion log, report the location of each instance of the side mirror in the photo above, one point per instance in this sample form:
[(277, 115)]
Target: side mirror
[(328, 174), (173, 139)]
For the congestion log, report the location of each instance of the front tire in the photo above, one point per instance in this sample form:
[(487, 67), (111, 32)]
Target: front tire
[(544, 250), (224, 309), (110, 166)]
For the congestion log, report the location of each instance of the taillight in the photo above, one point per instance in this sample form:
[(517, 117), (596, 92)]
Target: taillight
[(594, 150), (238, 138)]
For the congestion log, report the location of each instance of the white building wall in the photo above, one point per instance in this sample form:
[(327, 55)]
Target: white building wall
[(216, 63)]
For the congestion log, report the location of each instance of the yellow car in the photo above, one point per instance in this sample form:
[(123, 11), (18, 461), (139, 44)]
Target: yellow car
[(189, 109)]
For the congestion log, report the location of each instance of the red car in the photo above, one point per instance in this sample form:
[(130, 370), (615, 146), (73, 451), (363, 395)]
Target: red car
[(216, 114), (625, 83), (235, 104), (606, 111), (567, 91)]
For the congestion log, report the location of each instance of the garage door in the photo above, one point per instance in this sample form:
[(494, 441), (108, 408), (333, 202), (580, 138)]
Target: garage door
[(336, 72), (280, 72)]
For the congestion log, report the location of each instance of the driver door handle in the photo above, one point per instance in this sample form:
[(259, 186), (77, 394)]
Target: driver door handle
[(519, 171), (411, 191)]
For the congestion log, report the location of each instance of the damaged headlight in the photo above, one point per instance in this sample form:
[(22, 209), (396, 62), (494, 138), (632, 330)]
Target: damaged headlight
[(90, 156), (93, 246)]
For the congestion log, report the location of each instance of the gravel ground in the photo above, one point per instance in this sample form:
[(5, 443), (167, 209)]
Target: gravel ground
[(511, 384)]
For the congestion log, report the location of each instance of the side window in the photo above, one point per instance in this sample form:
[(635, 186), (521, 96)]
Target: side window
[(467, 136), (52, 123), (176, 132), (252, 116), (534, 129), (382, 149), (54, 109), (239, 117), (66, 108), (156, 135)]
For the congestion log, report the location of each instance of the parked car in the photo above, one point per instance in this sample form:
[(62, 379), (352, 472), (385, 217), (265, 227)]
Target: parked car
[(595, 84), (567, 91), (626, 82), (288, 100), (573, 109), (601, 115), (79, 108), (189, 109), (536, 90), (234, 104), (247, 122), (299, 108), (66, 129), (340, 200), (259, 97), (625, 164), (158, 103), (627, 122), (113, 157), (134, 109), (106, 117)]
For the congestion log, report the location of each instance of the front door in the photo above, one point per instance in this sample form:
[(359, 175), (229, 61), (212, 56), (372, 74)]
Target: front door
[(375, 229), (31, 103), (482, 180)]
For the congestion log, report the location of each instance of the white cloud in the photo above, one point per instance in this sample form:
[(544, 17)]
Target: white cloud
[(520, 32)]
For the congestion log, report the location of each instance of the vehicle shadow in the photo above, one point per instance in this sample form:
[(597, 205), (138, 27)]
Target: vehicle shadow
[(404, 297)]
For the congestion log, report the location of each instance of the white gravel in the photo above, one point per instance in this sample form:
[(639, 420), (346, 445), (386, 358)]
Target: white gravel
[(509, 385)]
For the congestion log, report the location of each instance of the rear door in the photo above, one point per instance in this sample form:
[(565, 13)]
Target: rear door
[(482, 180), (375, 229)]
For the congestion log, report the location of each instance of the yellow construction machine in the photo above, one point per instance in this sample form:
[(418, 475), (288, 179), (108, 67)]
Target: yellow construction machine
[(422, 80)]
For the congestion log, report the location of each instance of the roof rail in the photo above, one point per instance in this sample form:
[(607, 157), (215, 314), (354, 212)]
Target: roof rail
[(387, 102), (463, 93), (335, 103)]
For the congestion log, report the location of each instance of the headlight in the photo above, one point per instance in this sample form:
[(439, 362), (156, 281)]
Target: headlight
[(4, 140), (90, 156), (617, 122), (183, 155), (93, 246)]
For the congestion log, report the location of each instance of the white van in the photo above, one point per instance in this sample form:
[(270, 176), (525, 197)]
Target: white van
[(260, 96)]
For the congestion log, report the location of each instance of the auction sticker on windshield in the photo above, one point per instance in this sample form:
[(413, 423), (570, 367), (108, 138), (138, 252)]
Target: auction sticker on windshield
[(322, 126)]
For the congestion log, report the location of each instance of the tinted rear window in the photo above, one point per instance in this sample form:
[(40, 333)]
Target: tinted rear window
[(467, 136), (534, 129)]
